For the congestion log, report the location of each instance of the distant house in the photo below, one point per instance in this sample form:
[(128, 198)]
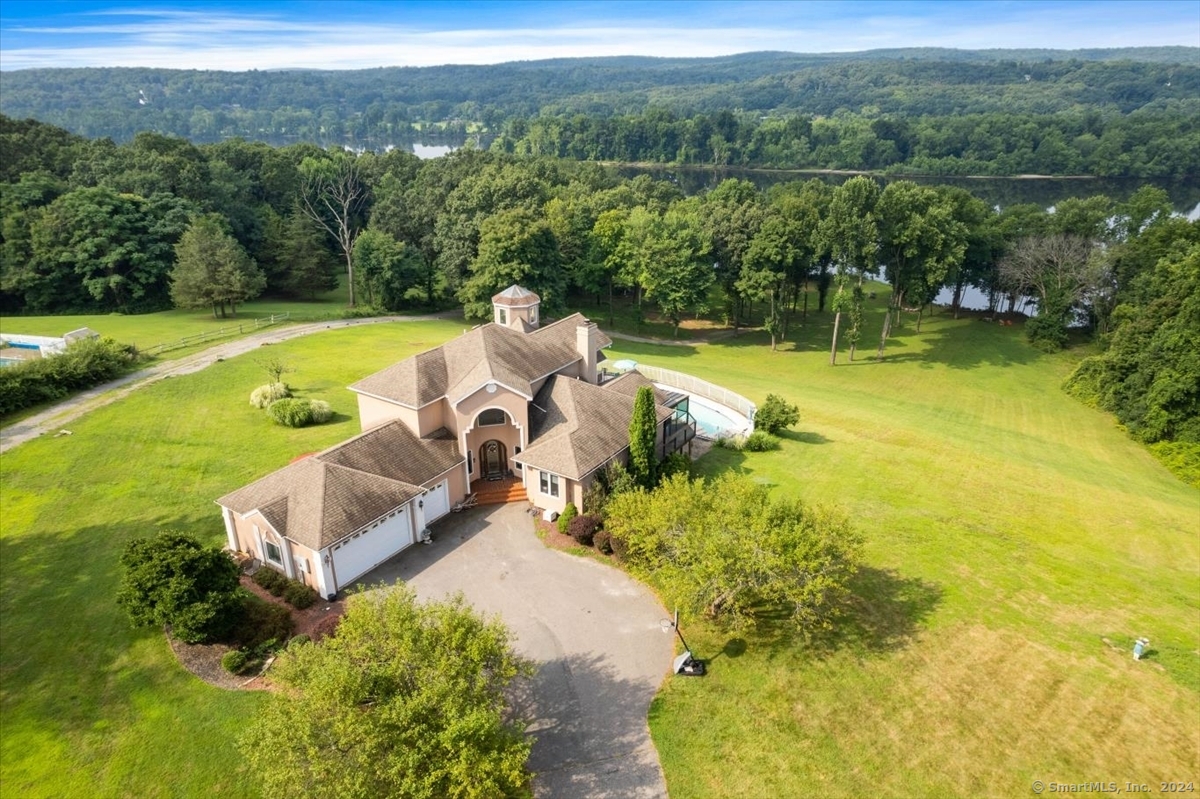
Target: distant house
[(509, 409)]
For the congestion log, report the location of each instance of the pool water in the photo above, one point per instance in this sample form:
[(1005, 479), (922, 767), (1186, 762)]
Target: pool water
[(713, 419)]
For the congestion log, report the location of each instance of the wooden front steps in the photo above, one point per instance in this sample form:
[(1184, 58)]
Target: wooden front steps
[(498, 492)]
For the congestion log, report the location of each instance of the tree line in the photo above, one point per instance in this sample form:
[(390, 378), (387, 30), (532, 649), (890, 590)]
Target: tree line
[(1147, 144), (89, 225), (373, 108)]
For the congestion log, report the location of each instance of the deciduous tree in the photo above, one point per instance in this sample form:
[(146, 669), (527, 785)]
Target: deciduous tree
[(406, 699), (211, 268)]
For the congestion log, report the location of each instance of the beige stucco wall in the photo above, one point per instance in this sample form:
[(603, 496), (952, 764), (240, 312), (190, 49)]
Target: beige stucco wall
[(472, 436), (373, 412), (247, 542)]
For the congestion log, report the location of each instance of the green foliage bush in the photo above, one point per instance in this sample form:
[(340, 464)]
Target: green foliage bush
[(583, 529), (727, 549), (564, 519), (1181, 457), (760, 441), (171, 579), (602, 541), (298, 640), (234, 661), (267, 578), (261, 621), (299, 595), (1047, 332), (673, 464), (352, 702), (263, 396), (85, 364), (776, 415)]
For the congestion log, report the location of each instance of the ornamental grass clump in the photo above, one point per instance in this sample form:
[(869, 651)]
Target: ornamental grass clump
[(263, 396)]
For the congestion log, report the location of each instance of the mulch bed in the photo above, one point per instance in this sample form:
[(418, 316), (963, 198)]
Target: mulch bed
[(204, 660)]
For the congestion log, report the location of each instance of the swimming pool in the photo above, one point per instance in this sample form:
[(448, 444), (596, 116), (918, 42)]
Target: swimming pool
[(714, 420)]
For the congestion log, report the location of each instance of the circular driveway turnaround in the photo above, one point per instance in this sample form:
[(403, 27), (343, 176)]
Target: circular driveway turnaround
[(593, 632)]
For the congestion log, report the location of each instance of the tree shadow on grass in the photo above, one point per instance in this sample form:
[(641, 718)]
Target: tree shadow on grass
[(803, 436), (883, 613)]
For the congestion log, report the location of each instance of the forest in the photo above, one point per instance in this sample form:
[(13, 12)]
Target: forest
[(92, 226), (1126, 112)]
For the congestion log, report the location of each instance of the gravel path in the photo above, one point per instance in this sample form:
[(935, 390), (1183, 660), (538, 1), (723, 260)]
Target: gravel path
[(53, 418)]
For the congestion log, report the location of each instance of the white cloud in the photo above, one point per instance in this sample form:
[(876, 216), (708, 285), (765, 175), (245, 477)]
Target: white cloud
[(201, 40)]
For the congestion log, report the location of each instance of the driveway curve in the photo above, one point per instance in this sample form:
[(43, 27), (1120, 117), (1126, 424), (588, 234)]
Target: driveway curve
[(592, 630), (61, 413)]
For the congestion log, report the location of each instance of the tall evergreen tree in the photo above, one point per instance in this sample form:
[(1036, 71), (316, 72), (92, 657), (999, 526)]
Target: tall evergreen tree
[(212, 269), (643, 429)]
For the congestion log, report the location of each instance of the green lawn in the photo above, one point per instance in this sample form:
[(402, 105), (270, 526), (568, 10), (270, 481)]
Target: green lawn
[(89, 706), (1010, 530), (165, 327)]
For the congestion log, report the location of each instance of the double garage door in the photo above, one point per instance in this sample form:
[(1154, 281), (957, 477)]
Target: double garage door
[(363, 551)]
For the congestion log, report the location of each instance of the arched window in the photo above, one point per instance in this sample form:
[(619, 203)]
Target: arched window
[(491, 417)]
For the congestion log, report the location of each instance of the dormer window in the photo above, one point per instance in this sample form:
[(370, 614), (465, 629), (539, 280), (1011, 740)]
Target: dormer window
[(533, 315), (503, 315)]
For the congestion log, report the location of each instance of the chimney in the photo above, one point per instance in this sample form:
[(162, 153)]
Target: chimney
[(585, 342)]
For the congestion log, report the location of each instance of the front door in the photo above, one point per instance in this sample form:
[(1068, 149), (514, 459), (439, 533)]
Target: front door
[(493, 456)]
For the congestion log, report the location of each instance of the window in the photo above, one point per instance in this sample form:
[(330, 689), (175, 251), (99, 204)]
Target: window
[(491, 417), (503, 316), (533, 314), (274, 553), (470, 463), (549, 484)]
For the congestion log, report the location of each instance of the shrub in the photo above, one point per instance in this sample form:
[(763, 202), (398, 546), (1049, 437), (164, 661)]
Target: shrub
[(620, 546), (583, 528), (84, 364), (172, 579), (321, 412), (261, 621), (291, 412), (675, 463), (760, 441), (263, 396), (267, 578), (564, 520), (297, 640), (775, 415), (234, 661), (299, 595), (734, 443), (602, 541)]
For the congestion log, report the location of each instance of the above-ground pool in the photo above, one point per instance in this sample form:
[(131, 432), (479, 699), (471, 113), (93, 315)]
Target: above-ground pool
[(714, 420)]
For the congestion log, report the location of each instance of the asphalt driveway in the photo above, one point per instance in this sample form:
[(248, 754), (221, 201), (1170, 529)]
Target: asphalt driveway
[(593, 632)]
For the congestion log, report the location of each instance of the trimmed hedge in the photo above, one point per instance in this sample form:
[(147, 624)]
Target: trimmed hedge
[(760, 441), (85, 364)]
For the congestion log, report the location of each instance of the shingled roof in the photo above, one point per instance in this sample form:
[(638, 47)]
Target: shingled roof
[(487, 353), (516, 296), (324, 498), (576, 427)]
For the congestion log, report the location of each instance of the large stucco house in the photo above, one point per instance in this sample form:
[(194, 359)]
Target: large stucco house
[(508, 405)]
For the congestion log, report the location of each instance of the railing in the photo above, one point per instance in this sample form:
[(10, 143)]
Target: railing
[(200, 338), (701, 388)]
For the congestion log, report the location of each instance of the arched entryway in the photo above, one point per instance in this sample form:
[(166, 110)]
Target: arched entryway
[(493, 460)]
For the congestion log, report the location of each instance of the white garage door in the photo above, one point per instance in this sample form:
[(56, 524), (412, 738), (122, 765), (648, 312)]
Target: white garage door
[(364, 551), (437, 501)]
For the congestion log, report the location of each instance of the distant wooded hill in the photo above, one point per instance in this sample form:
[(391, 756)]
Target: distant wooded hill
[(390, 106)]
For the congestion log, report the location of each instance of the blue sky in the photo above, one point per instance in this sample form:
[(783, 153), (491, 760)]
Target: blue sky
[(352, 35)]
